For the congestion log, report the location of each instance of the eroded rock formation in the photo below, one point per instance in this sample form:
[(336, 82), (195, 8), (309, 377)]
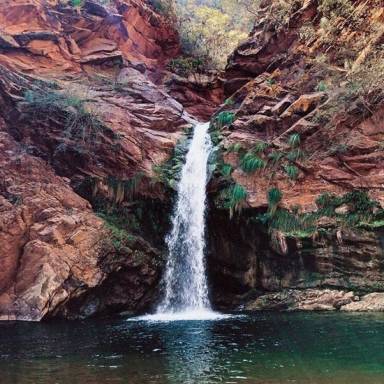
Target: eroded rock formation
[(277, 88), (88, 108), (287, 82), (79, 106)]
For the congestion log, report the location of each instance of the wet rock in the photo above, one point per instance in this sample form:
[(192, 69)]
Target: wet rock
[(244, 261), (303, 300), (373, 302)]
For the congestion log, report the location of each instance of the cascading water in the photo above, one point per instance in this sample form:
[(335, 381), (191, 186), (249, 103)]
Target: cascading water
[(185, 278), (185, 281)]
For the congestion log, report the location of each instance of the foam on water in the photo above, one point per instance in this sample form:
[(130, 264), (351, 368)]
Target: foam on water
[(193, 315)]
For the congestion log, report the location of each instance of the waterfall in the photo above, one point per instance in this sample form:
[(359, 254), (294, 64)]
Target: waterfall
[(185, 281)]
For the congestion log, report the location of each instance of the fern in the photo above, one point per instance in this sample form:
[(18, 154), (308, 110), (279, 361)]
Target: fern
[(225, 118), (292, 171), (295, 154), (294, 140), (275, 157), (233, 198), (274, 198), (229, 101), (226, 170), (235, 147), (238, 196), (251, 163), (260, 147)]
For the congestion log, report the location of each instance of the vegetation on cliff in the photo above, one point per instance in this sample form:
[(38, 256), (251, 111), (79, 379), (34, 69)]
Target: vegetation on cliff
[(209, 30)]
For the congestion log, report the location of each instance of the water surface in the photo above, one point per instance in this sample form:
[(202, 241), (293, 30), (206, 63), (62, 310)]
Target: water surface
[(261, 348)]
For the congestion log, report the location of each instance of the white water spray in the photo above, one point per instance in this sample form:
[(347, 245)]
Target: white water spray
[(185, 279)]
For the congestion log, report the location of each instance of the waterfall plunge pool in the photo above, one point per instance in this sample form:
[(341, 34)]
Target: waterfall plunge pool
[(268, 348)]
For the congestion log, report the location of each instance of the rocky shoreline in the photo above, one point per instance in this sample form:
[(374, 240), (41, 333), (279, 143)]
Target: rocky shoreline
[(318, 300)]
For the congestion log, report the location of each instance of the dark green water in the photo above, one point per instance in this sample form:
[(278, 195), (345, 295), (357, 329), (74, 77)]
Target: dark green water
[(262, 348)]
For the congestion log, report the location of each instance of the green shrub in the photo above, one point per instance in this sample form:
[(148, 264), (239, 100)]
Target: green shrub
[(251, 163), (275, 157), (118, 225), (295, 154), (260, 147), (235, 147), (76, 3), (292, 171), (361, 209), (233, 198), (185, 66), (81, 127), (274, 197), (229, 101), (225, 118), (169, 172), (321, 87), (294, 140), (226, 170)]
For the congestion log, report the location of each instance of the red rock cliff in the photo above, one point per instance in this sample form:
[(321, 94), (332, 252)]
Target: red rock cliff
[(77, 103)]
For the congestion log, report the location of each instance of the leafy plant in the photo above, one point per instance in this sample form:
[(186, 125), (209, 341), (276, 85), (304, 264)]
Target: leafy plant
[(321, 87), (260, 147), (233, 198), (229, 101), (295, 154), (292, 171), (361, 209), (81, 127), (169, 172), (275, 157), (225, 118), (251, 163), (294, 140), (76, 3), (274, 197), (235, 147), (185, 66), (226, 170), (118, 226)]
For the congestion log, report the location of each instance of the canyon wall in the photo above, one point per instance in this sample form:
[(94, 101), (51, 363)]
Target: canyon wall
[(80, 113), (90, 113), (302, 124)]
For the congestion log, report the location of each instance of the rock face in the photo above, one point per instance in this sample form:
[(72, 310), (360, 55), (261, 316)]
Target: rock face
[(278, 88), (78, 102), (87, 108), (246, 262), (200, 94), (50, 239), (53, 38)]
